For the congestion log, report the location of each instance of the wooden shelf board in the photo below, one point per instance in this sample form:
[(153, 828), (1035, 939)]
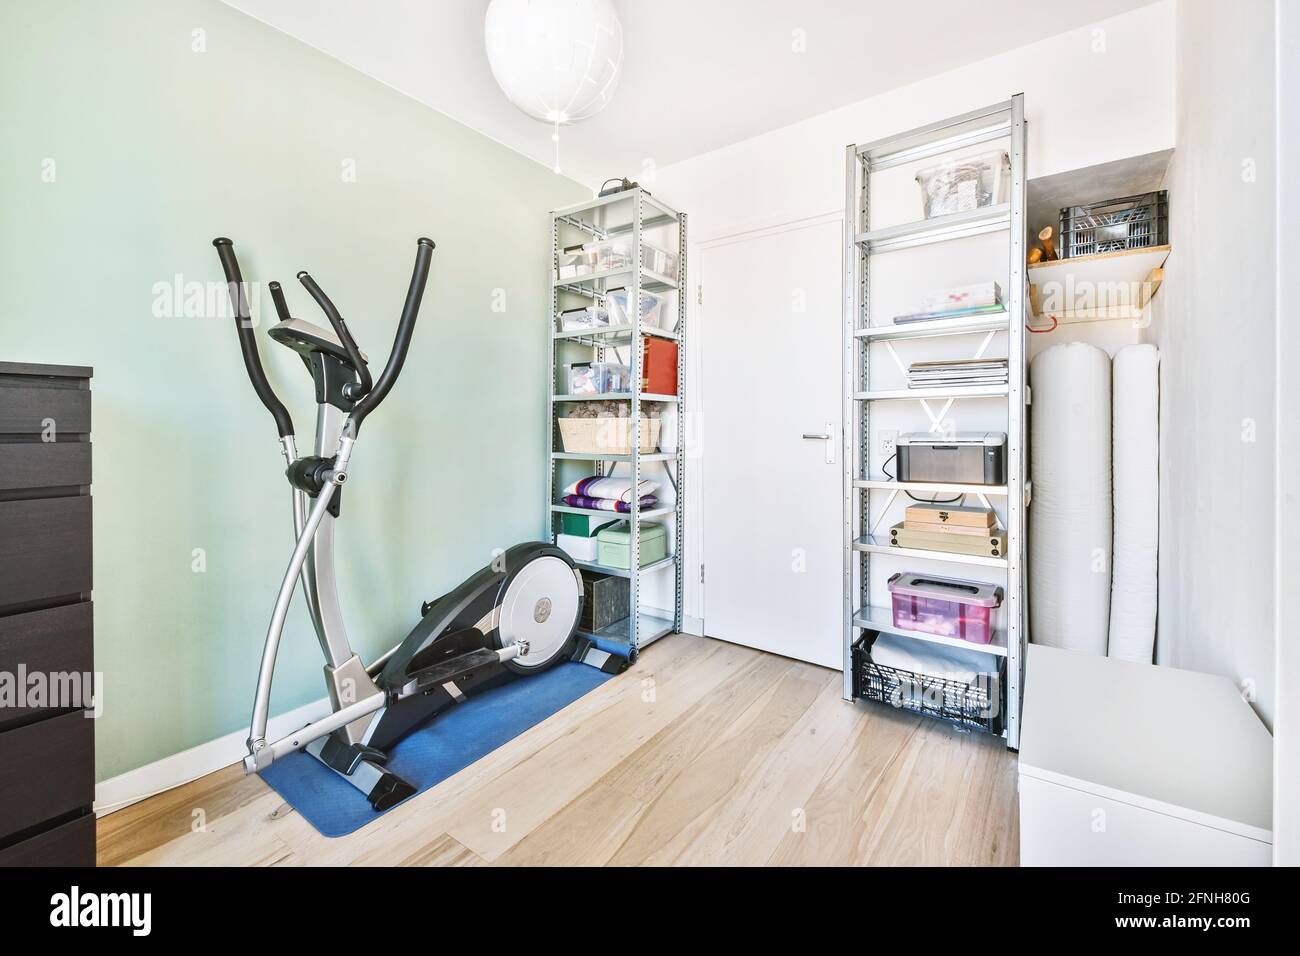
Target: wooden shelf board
[(1141, 270)]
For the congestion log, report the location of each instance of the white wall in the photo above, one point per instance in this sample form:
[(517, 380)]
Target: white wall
[(1214, 323), (1091, 95), (1286, 727)]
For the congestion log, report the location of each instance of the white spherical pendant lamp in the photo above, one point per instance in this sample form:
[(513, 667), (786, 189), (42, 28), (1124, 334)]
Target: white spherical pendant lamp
[(557, 60)]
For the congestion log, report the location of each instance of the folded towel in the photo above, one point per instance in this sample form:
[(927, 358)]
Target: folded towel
[(608, 504), (610, 486)]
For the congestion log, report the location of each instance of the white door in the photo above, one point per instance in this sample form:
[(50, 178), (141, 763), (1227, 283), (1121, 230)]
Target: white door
[(772, 520)]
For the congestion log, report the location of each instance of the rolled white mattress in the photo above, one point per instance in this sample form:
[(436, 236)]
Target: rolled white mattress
[(1070, 508), (1136, 429)]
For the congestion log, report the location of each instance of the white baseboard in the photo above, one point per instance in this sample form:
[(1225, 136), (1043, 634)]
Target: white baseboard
[(135, 785), (692, 625)]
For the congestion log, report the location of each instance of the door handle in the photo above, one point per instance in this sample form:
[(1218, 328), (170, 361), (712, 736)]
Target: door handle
[(828, 437)]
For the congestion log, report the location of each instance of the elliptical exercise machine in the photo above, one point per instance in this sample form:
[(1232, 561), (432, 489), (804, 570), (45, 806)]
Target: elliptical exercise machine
[(516, 616)]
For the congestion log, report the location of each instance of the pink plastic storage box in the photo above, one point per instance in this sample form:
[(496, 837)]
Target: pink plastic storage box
[(948, 607)]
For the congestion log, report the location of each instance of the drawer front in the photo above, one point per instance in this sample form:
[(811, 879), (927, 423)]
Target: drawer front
[(70, 844), (59, 640), (47, 769), (45, 551), (1060, 826), (38, 464), (25, 410)]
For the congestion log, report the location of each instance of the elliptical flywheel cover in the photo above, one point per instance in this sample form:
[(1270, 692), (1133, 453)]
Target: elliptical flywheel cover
[(541, 607)]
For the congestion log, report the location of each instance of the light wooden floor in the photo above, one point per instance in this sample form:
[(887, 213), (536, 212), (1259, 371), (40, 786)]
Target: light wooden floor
[(703, 753)]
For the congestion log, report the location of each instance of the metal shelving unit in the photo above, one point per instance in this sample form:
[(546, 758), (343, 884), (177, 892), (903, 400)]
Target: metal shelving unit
[(630, 213), (1003, 121)]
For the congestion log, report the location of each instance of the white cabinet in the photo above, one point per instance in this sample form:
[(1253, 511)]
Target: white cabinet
[(1126, 764)]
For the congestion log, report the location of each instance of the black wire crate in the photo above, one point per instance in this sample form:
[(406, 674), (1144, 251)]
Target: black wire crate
[(975, 706), (1116, 225)]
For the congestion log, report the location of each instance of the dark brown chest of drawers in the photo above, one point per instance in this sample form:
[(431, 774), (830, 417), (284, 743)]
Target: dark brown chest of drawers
[(47, 741)]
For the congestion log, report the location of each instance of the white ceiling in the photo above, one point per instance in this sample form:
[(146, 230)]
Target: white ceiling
[(698, 74)]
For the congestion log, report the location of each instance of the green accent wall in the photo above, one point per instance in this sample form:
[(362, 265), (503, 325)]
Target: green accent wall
[(124, 151)]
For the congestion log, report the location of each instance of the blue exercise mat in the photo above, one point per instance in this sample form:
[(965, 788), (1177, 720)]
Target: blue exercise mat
[(448, 743)]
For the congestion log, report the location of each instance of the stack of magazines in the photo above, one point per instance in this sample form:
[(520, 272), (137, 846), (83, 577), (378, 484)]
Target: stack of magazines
[(960, 372), (979, 298)]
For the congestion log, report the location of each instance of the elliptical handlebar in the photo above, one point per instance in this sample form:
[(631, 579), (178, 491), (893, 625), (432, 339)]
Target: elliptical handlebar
[(401, 342), (341, 330), (247, 340), (277, 296), (371, 394)]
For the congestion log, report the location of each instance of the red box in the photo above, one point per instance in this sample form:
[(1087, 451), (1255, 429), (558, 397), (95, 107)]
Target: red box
[(659, 367)]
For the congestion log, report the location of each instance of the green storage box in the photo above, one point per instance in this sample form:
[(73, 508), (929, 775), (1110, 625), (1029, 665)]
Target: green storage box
[(585, 526), (614, 544)]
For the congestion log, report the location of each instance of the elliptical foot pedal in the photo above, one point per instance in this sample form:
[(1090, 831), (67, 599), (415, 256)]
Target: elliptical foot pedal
[(390, 791), (586, 652)]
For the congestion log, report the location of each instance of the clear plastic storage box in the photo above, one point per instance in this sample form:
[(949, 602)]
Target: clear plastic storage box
[(960, 185), (652, 308), (611, 254), (592, 317), (575, 261), (659, 260), (599, 378), (948, 607), (617, 254)]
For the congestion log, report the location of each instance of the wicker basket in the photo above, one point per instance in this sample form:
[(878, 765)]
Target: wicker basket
[(606, 436)]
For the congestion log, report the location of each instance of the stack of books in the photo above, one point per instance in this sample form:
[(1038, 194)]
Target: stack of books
[(960, 372), (977, 299), (955, 530)]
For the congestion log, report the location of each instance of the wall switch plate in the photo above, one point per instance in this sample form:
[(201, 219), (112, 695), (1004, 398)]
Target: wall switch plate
[(888, 441)]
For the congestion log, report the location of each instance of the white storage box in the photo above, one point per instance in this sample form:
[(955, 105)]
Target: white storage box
[(652, 308), (579, 547), (1125, 764), (960, 185)]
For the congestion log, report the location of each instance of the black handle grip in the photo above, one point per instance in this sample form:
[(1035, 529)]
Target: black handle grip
[(340, 329), (281, 306), (247, 341), (402, 341)]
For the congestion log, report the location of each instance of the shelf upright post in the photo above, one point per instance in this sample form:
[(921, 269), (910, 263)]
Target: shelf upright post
[(552, 426), (634, 535), (854, 263), (1015, 604), (680, 508)]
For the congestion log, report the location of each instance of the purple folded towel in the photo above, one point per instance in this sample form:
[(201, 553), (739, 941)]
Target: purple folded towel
[(608, 504)]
